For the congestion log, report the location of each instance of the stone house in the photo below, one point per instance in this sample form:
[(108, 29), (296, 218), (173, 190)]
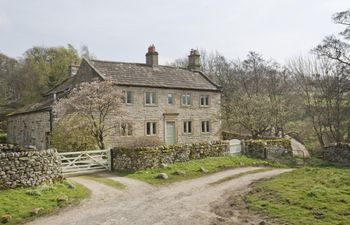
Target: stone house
[(171, 104)]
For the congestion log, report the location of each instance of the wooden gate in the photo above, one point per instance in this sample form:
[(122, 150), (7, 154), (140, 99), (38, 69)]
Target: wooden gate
[(85, 161)]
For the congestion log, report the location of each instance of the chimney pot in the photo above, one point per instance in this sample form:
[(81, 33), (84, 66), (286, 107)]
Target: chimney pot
[(194, 60), (152, 56)]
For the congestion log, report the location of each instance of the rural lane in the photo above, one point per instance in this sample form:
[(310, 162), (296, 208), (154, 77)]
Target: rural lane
[(187, 202)]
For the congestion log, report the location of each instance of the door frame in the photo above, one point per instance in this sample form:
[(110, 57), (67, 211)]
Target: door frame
[(165, 130)]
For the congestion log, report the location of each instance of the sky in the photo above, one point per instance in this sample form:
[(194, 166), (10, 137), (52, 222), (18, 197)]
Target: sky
[(122, 30)]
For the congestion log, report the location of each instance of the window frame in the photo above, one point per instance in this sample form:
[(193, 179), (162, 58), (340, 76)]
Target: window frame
[(127, 129), (154, 124), (153, 98), (172, 99), (207, 126), (186, 127), (204, 97), (188, 103), (131, 97)]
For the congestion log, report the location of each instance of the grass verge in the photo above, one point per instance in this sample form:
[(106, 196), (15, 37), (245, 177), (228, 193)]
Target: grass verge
[(192, 169), (318, 196), (235, 176), (105, 180), (24, 204)]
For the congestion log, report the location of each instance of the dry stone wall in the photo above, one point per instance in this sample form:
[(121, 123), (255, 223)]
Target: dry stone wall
[(268, 149), (27, 167), (146, 157)]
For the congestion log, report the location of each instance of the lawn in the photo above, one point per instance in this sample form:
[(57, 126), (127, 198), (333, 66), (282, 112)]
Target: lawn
[(318, 196), (24, 204), (192, 169)]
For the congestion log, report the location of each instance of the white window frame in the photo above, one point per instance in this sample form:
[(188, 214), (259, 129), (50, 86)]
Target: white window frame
[(187, 127), (128, 127), (206, 100), (153, 98), (131, 97), (206, 126), (186, 99), (153, 125), (172, 98)]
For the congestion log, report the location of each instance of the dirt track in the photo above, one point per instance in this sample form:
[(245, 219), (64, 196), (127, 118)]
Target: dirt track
[(187, 202)]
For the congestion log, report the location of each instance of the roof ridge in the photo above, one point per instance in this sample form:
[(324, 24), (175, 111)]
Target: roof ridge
[(141, 64)]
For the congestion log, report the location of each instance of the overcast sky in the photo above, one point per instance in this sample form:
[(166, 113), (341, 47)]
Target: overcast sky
[(121, 30)]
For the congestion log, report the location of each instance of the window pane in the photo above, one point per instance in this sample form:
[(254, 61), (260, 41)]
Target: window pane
[(183, 101), (154, 98), (170, 98), (148, 98), (148, 128), (185, 130), (206, 100), (129, 129), (208, 127), (129, 97), (189, 127), (123, 129), (154, 128), (203, 126), (188, 99)]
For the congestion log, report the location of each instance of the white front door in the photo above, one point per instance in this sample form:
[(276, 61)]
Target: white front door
[(170, 133)]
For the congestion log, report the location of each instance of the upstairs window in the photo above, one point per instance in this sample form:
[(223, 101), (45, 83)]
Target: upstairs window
[(129, 97), (186, 100), (205, 127), (151, 98), (170, 99), (187, 127), (126, 129), (204, 101)]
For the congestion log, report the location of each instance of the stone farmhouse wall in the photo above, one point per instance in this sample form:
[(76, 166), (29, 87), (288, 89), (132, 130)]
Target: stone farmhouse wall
[(268, 149), (29, 129), (138, 114), (337, 153), (24, 167), (140, 158)]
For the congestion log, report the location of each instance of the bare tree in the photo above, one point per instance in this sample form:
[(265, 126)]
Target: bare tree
[(323, 84), (96, 102)]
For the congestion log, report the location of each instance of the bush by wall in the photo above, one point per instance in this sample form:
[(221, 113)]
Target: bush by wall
[(268, 149), (146, 157), (26, 167), (337, 153)]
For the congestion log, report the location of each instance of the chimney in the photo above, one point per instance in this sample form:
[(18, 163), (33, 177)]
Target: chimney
[(152, 56), (73, 68), (194, 60)]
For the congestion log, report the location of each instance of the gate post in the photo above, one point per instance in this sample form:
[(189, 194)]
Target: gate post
[(110, 160)]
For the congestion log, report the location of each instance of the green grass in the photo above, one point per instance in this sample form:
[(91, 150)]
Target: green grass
[(235, 176), (192, 168), (318, 196), (104, 180), (20, 202)]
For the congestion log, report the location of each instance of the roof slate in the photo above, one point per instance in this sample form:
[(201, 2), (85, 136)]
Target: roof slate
[(137, 74)]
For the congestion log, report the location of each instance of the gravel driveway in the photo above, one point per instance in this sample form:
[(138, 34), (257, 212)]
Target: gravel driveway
[(182, 203)]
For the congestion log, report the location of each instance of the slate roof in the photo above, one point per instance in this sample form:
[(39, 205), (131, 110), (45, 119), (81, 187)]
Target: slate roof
[(43, 105), (138, 74)]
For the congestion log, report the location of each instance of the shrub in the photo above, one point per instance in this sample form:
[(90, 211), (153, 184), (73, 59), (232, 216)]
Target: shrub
[(69, 135), (3, 138), (140, 142)]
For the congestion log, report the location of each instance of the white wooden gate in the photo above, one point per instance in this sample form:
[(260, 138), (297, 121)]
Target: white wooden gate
[(85, 161)]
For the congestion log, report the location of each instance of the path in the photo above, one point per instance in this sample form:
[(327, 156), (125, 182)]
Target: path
[(182, 203)]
